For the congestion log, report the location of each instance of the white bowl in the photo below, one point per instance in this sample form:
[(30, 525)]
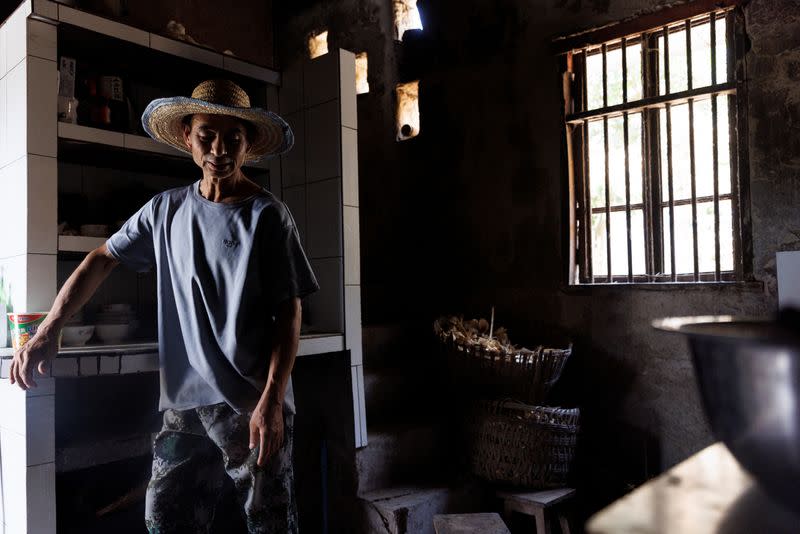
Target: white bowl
[(76, 335), (112, 333), (94, 230)]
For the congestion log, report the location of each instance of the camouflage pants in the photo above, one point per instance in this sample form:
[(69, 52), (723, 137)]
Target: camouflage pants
[(192, 452)]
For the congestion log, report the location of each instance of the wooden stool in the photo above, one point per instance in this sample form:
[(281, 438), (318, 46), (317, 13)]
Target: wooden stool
[(535, 504), (469, 524)]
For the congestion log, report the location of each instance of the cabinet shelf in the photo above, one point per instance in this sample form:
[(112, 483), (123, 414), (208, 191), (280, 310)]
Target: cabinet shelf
[(79, 243), (74, 17), (74, 133)]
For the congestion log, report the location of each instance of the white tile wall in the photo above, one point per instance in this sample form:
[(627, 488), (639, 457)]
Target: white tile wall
[(293, 163), (40, 435), (323, 146), (65, 367), (16, 123), (42, 40), (320, 77), (3, 116), (324, 219), (41, 119), (347, 80), (109, 365), (3, 67), (352, 323), (139, 363), (295, 199), (788, 279), (362, 404), (14, 482), (356, 406), (290, 95), (42, 205), (326, 306), (13, 219), (41, 493), (45, 386), (16, 41), (352, 246), (350, 166), (41, 281), (13, 416), (87, 365)]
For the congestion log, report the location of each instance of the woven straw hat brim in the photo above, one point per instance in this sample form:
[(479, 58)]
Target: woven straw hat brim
[(162, 120)]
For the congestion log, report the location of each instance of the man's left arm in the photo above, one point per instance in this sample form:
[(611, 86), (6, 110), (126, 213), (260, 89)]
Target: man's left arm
[(266, 423)]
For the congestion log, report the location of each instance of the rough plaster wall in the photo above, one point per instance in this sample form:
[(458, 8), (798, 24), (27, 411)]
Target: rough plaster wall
[(484, 184)]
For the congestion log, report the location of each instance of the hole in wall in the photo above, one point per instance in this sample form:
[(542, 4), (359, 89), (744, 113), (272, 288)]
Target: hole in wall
[(407, 110), (318, 44), (362, 85), (406, 17)]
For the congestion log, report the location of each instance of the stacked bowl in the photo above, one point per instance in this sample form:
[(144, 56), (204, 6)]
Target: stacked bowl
[(115, 323)]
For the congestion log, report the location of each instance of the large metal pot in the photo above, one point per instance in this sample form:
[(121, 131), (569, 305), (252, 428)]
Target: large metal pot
[(748, 373)]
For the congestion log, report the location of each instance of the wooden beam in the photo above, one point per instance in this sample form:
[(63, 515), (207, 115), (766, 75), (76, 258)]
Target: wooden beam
[(638, 24)]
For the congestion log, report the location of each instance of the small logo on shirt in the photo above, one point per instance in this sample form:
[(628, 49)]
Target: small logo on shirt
[(230, 243)]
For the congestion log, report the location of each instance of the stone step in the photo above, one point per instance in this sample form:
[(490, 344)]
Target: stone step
[(410, 509), (400, 453)]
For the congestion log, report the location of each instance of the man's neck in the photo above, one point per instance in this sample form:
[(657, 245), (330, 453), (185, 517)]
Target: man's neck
[(230, 189)]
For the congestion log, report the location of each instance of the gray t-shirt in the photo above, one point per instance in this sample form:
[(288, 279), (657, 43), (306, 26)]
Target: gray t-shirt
[(222, 270)]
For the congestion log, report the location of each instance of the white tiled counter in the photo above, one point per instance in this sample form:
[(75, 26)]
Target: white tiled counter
[(94, 360)]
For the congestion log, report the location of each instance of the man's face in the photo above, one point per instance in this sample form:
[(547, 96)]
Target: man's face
[(218, 144)]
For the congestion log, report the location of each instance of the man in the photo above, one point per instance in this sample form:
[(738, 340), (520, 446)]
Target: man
[(231, 273)]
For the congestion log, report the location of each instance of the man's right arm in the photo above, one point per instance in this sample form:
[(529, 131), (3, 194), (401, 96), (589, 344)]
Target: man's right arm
[(42, 348)]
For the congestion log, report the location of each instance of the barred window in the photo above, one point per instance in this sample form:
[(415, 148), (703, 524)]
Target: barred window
[(654, 161)]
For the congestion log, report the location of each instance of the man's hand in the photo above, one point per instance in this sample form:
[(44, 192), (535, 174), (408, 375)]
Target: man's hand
[(37, 353), (266, 430)]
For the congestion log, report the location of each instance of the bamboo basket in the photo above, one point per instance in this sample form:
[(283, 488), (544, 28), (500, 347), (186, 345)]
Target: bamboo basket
[(521, 445), (496, 370)]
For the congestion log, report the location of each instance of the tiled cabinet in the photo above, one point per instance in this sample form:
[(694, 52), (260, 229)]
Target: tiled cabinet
[(318, 180)]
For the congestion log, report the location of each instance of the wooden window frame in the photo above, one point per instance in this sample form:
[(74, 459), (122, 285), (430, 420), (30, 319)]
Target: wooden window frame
[(572, 51)]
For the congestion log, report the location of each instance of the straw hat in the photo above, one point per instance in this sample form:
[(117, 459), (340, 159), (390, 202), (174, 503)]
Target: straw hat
[(162, 120)]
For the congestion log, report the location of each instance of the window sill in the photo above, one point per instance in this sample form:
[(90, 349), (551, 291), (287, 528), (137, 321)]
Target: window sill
[(752, 286)]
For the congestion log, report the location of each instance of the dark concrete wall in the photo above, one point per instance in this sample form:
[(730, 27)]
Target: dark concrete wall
[(471, 213)]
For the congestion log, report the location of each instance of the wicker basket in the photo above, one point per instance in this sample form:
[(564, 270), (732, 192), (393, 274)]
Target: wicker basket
[(524, 375), (522, 445)]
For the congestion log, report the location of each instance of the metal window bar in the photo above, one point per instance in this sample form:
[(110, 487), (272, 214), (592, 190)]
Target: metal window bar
[(651, 158), (670, 190), (587, 207), (692, 162), (649, 105), (714, 144), (627, 158), (607, 177)]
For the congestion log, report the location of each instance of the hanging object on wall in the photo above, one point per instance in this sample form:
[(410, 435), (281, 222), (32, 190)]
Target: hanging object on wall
[(406, 17), (362, 85), (407, 110), (318, 44)]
